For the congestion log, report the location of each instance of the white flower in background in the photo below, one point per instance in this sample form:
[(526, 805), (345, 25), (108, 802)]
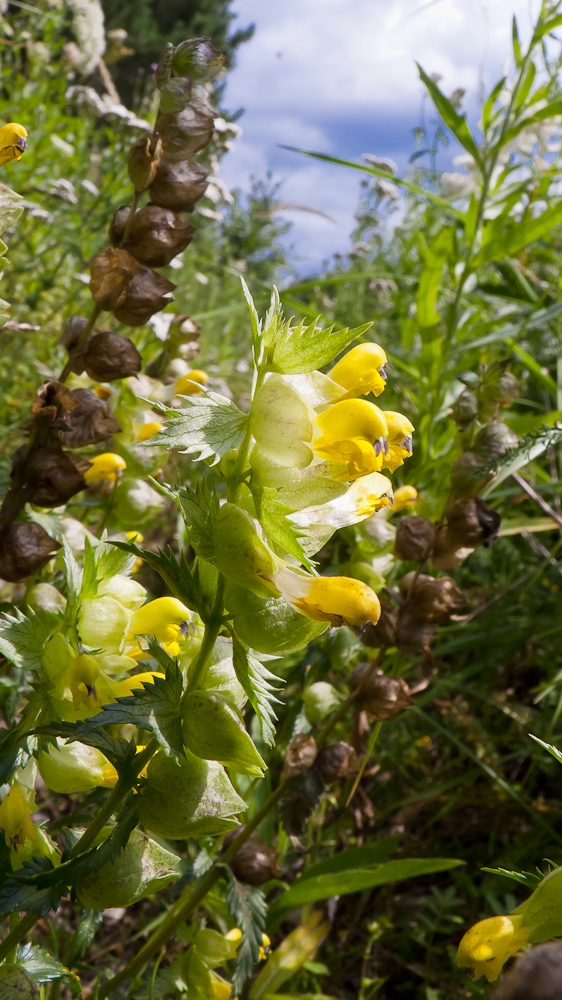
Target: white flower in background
[(456, 185), (87, 99), (381, 163), (88, 27), (386, 189)]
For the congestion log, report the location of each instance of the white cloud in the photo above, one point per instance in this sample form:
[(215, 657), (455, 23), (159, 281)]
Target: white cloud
[(339, 76)]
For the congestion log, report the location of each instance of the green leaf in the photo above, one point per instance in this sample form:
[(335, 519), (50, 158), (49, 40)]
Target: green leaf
[(534, 321), (524, 878), (22, 637), (353, 858), (430, 280), (256, 680), (44, 968), (85, 934), (248, 907), (15, 984), (310, 890), (273, 516), (490, 101), (546, 27), (530, 448), (116, 750), (213, 730), (518, 236), (300, 349), (175, 573), (453, 120), (515, 41), (200, 510), (254, 318), (552, 110), (549, 747), (155, 707), (209, 427)]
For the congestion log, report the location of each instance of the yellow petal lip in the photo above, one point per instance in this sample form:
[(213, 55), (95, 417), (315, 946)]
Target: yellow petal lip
[(162, 618), (340, 600), (361, 370), (487, 946), (15, 820), (404, 498), (353, 432), (190, 384), (105, 468), (149, 430), (13, 141)]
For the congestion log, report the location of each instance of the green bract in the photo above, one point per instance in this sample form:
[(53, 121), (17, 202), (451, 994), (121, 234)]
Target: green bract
[(141, 868), (212, 729), (270, 625)]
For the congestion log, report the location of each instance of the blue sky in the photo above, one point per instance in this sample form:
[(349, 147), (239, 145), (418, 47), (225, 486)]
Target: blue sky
[(339, 77)]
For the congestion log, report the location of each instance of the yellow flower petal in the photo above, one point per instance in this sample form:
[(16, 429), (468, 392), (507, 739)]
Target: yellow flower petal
[(15, 819), (339, 600), (404, 498), (149, 430), (105, 467), (190, 384), (353, 432), (161, 618), (83, 672), (400, 432), (487, 946), (13, 141), (362, 370)]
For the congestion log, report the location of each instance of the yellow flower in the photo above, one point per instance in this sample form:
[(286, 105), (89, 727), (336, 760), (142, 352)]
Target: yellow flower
[(488, 945), (13, 141), (400, 432), (361, 499), (221, 990), (148, 430), (161, 618), (105, 467), (235, 937), (15, 818), (190, 384), (362, 370), (125, 688), (83, 672), (339, 600), (265, 948), (353, 432), (102, 392), (405, 497)]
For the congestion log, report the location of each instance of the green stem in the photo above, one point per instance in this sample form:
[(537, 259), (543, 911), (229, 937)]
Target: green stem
[(212, 629), (17, 934), (122, 788)]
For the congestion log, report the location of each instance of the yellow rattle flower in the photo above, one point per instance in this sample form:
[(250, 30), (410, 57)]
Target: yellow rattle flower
[(105, 468), (488, 945), (339, 600), (162, 618), (190, 384), (15, 820), (221, 990), (353, 432), (399, 444), (13, 141), (149, 430), (362, 370), (405, 497), (83, 672)]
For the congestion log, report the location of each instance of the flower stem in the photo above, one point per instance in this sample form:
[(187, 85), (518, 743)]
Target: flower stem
[(17, 933)]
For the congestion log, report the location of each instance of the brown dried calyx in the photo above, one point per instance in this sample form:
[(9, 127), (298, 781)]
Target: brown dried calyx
[(381, 634), (131, 291), (537, 975), (178, 186), (255, 862), (431, 599), (301, 754), (468, 477), (105, 356), (337, 760), (25, 548), (190, 130), (412, 634), (156, 235), (381, 696), (494, 440), (143, 162), (48, 478), (472, 522), (415, 538)]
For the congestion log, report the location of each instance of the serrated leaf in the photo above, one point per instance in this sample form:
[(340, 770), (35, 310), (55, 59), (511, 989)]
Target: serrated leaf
[(259, 685), (200, 510), (44, 967), (22, 637), (273, 516), (73, 578), (102, 563), (209, 427), (116, 750), (254, 318), (524, 878), (176, 573), (300, 349), (549, 747), (155, 708), (248, 907)]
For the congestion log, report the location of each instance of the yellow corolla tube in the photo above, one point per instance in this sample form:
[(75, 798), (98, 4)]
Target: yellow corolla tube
[(339, 600), (105, 468), (190, 384), (362, 370), (353, 432), (15, 820), (162, 618), (487, 946), (399, 442), (405, 497), (83, 672), (13, 141)]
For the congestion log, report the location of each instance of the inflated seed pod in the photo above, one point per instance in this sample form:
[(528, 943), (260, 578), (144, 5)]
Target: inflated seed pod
[(537, 975), (80, 417), (494, 440), (24, 550), (198, 59), (255, 863), (467, 476), (471, 523), (156, 235), (412, 635), (51, 478), (381, 696), (147, 293), (111, 274), (465, 409), (446, 553), (72, 331), (431, 598), (143, 161), (189, 131), (415, 537), (178, 186), (381, 634), (337, 760), (109, 356), (139, 869), (301, 754)]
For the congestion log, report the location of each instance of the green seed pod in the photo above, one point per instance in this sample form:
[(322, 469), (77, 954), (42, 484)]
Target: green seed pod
[(193, 798), (45, 597), (241, 553), (320, 700), (220, 675), (198, 59), (136, 502), (213, 730), (75, 767), (141, 868), (175, 94), (271, 625)]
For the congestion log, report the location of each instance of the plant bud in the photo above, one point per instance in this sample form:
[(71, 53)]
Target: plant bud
[(75, 767), (255, 862), (146, 294), (103, 622), (155, 236), (24, 550), (432, 599), (212, 729), (198, 59), (415, 538), (45, 597), (412, 635), (178, 186), (51, 478), (536, 975), (72, 331), (467, 478), (381, 634), (185, 133), (301, 754), (140, 869), (109, 356), (471, 523), (143, 161), (111, 274), (192, 798), (465, 409), (381, 696), (136, 502), (241, 553), (320, 700), (81, 417), (494, 440), (175, 94), (337, 760)]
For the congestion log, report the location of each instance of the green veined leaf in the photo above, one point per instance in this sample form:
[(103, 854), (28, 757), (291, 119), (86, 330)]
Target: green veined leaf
[(259, 685), (454, 121), (22, 637), (209, 427), (530, 448), (302, 348), (248, 907), (44, 967), (176, 573), (353, 858)]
